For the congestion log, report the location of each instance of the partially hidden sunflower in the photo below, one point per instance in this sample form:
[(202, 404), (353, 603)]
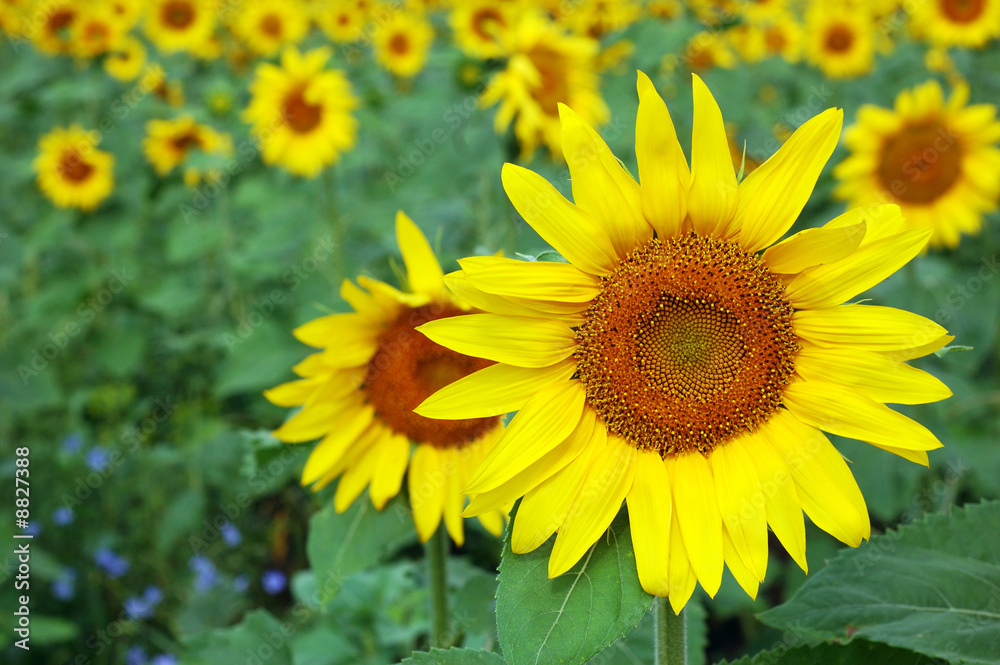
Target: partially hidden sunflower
[(937, 159), (268, 25), (168, 142), (683, 360), (840, 38), (966, 23), (181, 25), (359, 391), (71, 171), (301, 112), (403, 42)]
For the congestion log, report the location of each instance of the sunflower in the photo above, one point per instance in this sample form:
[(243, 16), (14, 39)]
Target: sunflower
[(268, 25), (180, 25), (546, 66), (52, 35), (709, 49), (126, 59), (967, 23), (840, 38), (71, 171), (168, 142), (479, 25), (403, 42), (596, 18), (342, 20), (938, 160), (96, 30), (301, 112), (358, 394), (675, 365)]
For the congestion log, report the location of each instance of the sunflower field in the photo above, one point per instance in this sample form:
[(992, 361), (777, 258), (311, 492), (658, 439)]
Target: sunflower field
[(455, 332)]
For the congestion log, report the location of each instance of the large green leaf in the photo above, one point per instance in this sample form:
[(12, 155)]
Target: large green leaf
[(341, 544), (574, 616), (855, 653), (259, 638), (454, 657), (933, 587)]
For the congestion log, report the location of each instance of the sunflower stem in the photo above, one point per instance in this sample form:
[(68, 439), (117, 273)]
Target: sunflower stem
[(437, 559), (671, 634)]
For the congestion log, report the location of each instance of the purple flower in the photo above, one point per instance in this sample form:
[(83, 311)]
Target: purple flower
[(273, 581), (136, 656), (137, 608), (164, 659), (63, 516), (64, 586), (230, 534), (97, 458), (205, 574), (72, 443), (112, 564), (153, 595), (241, 584)]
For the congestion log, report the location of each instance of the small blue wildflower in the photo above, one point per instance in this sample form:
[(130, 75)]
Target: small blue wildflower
[(64, 586), (230, 534), (112, 564), (63, 516), (273, 581), (72, 443), (97, 458)]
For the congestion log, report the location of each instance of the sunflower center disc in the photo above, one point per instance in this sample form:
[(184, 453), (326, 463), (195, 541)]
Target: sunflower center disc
[(407, 368), (963, 11), (920, 163), (301, 116), (689, 344), (74, 167), (178, 15), (839, 38)]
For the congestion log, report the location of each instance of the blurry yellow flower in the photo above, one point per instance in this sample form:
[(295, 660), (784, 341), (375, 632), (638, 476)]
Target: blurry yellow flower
[(180, 25), (358, 392), (546, 66), (402, 43), (126, 60), (478, 26), (665, 9), (968, 23), (96, 30), (168, 142), (268, 25), (615, 56), (840, 38), (342, 20), (71, 171), (53, 35), (708, 49), (301, 112), (154, 79), (937, 160), (127, 12), (596, 18)]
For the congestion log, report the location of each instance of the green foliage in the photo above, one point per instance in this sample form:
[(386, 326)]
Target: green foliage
[(574, 616), (858, 651), (454, 657), (932, 587)]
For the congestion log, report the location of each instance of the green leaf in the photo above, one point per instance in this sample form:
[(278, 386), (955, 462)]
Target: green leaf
[(182, 517), (454, 657), (341, 544), (933, 587), (856, 652), (955, 348), (52, 630), (258, 638), (572, 617)]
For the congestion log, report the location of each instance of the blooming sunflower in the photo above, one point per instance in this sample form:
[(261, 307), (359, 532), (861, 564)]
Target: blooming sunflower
[(96, 30), (546, 66), (478, 26), (268, 25), (840, 38), (358, 394), (675, 365), (168, 142), (403, 42), (342, 20), (180, 25), (52, 36), (938, 160), (301, 112), (968, 23), (71, 171), (126, 60)]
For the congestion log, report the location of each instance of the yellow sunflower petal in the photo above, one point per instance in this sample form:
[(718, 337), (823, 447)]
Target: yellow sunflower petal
[(834, 283), (844, 412), (454, 499), (572, 232), (315, 420), (922, 350), (338, 330), (461, 287), (363, 302), (874, 375), (813, 247), (355, 479), (393, 458), (544, 422), (741, 503), (915, 456), (427, 487), (293, 393), (492, 391), (714, 193), (422, 268), (735, 562), (600, 184), (534, 280), (649, 507), (881, 221), (681, 575), (826, 488), (349, 427), (607, 484), (663, 169), (784, 512), (866, 327), (773, 195), (700, 521), (492, 522), (544, 508), (511, 340)]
